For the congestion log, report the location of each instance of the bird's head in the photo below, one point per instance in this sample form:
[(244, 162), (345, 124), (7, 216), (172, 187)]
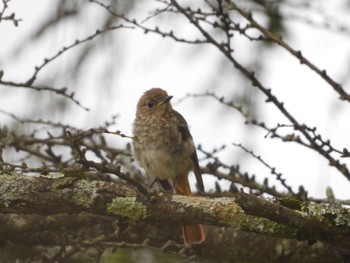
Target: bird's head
[(154, 101)]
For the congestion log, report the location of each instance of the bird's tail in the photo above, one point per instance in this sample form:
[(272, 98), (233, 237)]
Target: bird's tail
[(192, 234)]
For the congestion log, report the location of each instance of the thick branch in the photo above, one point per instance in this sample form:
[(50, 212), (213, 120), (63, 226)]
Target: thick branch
[(24, 194)]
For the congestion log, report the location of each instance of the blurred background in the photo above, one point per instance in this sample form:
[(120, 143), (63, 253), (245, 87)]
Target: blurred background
[(109, 73)]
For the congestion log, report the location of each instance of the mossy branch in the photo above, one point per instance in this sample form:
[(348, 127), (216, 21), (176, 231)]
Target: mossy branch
[(25, 194)]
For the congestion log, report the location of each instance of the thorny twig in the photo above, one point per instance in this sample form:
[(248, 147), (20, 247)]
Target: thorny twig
[(310, 139), (296, 53), (146, 30), (272, 169), (224, 22), (78, 141), (11, 17), (268, 93), (63, 91), (317, 142), (77, 42), (235, 175)]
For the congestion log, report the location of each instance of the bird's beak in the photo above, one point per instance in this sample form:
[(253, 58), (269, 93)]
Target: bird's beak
[(165, 99)]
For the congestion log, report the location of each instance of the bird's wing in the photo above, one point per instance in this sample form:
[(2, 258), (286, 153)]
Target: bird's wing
[(186, 136)]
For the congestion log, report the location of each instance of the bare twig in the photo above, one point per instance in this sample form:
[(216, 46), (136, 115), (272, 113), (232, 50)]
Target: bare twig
[(63, 91), (11, 17), (296, 53), (77, 42), (146, 30), (272, 169)]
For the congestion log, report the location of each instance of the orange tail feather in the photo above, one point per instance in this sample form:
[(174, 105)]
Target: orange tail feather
[(193, 234)]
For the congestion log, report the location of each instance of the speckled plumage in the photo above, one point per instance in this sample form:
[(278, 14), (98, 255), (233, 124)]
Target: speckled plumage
[(164, 147), (162, 134)]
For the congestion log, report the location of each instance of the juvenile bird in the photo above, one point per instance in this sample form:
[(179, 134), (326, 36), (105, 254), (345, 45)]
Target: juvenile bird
[(164, 147)]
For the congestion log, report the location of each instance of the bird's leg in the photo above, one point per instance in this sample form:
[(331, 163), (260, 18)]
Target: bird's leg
[(163, 183), (153, 182), (175, 181)]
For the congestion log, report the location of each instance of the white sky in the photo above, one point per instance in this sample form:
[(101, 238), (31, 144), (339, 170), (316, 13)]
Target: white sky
[(150, 61)]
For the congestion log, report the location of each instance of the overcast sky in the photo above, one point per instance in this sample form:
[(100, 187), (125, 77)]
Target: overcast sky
[(145, 61)]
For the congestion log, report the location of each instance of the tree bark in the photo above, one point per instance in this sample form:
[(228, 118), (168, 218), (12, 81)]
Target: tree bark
[(30, 205)]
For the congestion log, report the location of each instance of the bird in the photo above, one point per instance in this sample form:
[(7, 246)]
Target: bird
[(164, 148)]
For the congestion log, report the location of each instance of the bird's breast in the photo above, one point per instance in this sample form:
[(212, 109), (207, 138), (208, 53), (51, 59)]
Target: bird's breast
[(160, 149)]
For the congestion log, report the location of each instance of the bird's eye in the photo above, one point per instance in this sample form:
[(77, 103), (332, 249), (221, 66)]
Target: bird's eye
[(149, 104)]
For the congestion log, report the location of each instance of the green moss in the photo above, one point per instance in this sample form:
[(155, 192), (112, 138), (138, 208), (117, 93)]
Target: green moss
[(128, 207), (265, 226), (85, 193), (229, 212), (338, 215), (11, 189), (291, 202), (74, 174), (61, 183)]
